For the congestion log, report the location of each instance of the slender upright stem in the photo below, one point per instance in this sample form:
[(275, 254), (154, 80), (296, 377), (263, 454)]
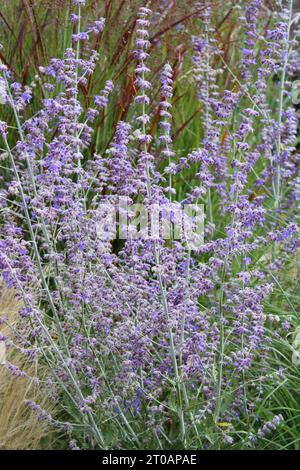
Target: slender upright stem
[(165, 301), (277, 177)]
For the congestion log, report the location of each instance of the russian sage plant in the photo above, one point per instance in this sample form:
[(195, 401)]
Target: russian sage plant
[(154, 342)]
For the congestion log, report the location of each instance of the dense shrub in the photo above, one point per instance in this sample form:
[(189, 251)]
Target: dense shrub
[(155, 343)]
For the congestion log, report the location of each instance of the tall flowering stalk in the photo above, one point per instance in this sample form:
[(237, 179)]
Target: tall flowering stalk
[(205, 50), (165, 113), (287, 20), (142, 44)]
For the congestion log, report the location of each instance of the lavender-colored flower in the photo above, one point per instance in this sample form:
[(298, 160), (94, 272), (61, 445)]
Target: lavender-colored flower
[(102, 100)]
